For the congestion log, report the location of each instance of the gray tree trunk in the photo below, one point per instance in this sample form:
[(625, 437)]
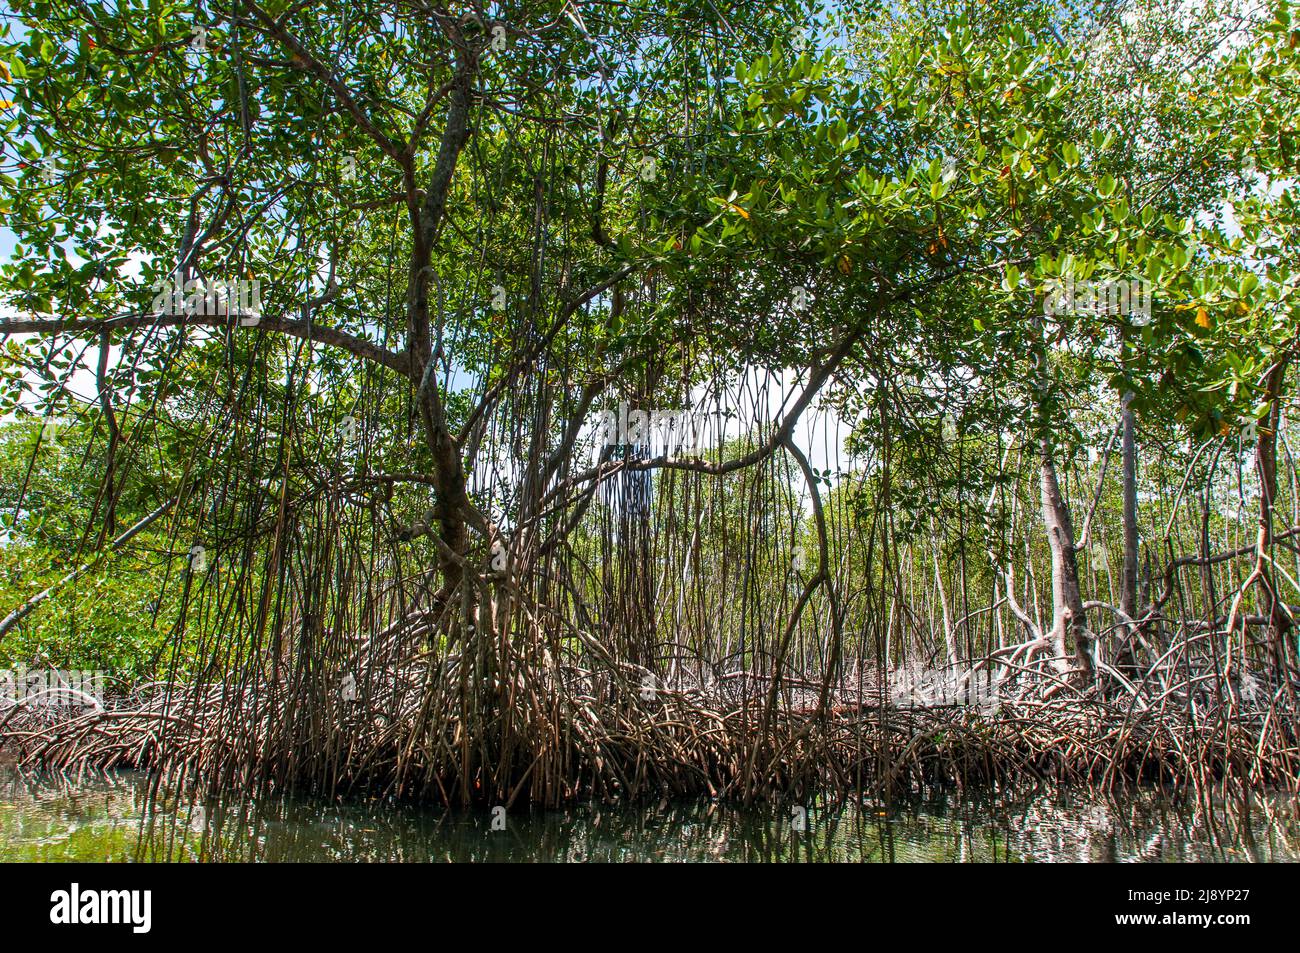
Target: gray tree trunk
[(1128, 594), (1070, 639)]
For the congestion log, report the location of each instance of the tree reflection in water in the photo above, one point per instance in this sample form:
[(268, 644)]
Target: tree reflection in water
[(120, 817)]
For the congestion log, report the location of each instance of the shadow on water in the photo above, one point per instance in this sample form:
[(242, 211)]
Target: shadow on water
[(116, 818)]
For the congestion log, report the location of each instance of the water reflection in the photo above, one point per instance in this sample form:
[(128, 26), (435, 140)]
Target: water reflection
[(117, 818)]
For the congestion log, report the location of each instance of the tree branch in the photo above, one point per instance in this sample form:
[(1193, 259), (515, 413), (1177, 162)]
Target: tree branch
[(305, 330)]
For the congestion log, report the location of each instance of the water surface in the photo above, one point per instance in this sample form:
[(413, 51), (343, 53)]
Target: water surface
[(115, 818)]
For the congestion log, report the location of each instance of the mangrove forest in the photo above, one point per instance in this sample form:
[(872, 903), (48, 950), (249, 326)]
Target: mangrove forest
[(554, 405)]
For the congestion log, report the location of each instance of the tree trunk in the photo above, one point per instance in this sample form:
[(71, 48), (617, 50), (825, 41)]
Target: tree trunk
[(452, 508), (1279, 625), (948, 636), (1125, 660), (1070, 639)]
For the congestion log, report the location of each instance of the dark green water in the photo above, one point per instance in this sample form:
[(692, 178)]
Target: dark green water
[(114, 819)]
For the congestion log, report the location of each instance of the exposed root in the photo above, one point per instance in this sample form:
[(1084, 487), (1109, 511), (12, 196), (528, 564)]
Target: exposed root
[(563, 734)]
